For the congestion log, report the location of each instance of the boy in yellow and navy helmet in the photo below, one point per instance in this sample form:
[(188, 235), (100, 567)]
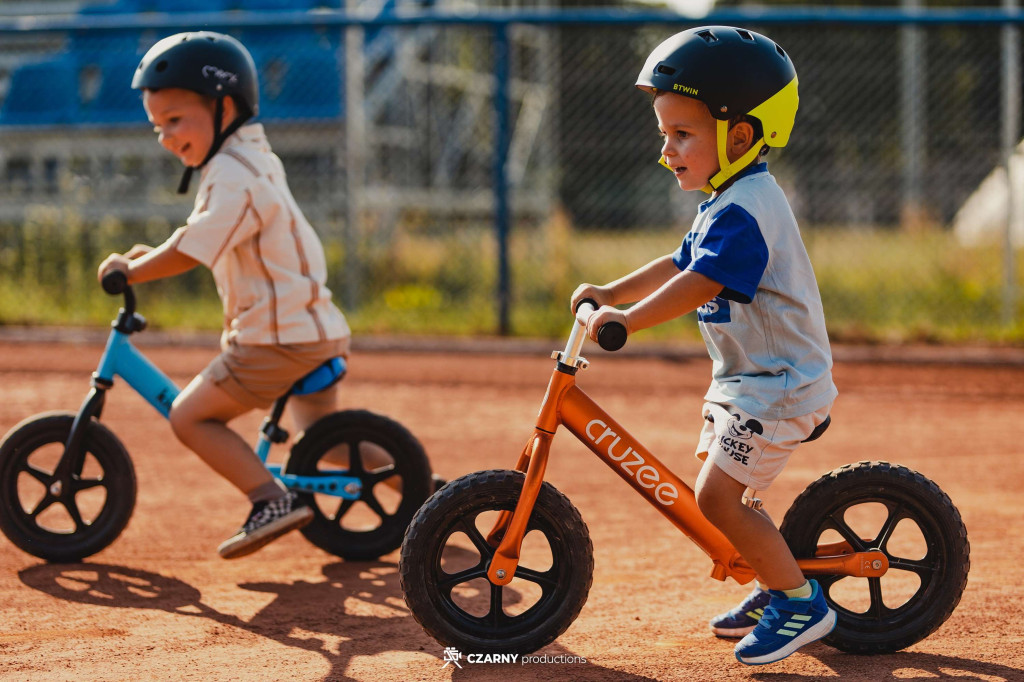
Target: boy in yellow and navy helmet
[(723, 96)]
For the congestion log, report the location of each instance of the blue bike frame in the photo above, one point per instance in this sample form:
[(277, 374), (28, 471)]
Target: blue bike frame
[(121, 358)]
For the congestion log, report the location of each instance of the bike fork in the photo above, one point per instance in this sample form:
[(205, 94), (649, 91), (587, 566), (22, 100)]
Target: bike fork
[(73, 460), (511, 526)]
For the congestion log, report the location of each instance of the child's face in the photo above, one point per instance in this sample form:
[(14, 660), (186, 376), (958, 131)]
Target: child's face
[(689, 134), (183, 120)]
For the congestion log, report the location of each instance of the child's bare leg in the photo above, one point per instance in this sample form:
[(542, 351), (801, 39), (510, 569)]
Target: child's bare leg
[(307, 409), (752, 533), (199, 419)]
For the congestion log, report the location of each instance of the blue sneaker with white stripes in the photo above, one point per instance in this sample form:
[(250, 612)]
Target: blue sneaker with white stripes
[(742, 619), (787, 625)]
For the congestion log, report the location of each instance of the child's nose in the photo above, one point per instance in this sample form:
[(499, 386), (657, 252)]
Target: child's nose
[(666, 149)]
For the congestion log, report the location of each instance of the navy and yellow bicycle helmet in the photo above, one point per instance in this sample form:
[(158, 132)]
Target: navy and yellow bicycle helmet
[(212, 64), (734, 72)]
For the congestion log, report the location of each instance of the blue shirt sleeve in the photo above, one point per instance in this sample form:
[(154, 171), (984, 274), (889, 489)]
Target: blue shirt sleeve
[(733, 253), (682, 257)]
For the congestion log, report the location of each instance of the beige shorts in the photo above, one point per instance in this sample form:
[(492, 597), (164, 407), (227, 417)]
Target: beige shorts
[(753, 451), (256, 376)]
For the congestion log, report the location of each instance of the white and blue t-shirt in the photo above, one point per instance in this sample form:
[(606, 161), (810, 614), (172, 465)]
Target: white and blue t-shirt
[(765, 331)]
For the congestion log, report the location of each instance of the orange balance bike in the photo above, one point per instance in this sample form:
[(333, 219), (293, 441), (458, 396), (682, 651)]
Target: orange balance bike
[(501, 562)]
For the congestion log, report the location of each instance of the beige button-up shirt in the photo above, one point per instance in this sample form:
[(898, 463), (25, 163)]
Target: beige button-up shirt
[(266, 259)]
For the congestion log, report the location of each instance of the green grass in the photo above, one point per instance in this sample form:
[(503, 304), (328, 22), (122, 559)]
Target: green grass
[(877, 286)]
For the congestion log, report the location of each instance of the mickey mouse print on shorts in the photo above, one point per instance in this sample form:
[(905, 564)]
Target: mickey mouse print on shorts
[(750, 449)]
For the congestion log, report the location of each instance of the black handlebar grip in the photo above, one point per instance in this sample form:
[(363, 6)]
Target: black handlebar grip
[(115, 282), (611, 336), (579, 304)]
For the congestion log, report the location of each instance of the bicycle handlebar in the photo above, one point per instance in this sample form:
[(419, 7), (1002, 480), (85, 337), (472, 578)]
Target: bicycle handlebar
[(114, 282), (612, 335)]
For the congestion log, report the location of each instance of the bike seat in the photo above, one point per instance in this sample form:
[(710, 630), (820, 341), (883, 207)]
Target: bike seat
[(818, 430), (324, 376)]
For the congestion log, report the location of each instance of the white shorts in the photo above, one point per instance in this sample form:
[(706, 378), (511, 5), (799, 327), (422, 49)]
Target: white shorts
[(752, 451)]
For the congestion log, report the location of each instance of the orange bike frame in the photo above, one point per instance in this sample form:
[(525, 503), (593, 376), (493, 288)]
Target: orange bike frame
[(565, 404)]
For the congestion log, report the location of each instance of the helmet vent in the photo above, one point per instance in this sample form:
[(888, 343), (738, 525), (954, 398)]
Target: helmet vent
[(745, 35), (781, 52), (161, 65), (707, 36), (667, 70)]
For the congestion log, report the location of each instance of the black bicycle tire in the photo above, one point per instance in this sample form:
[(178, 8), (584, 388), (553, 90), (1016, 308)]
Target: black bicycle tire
[(410, 462), (419, 565), (118, 478), (942, 572)]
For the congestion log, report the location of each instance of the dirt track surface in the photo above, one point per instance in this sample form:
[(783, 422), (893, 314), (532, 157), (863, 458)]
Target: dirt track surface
[(160, 604)]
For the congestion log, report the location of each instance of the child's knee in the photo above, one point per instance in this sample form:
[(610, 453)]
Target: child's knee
[(180, 419), (717, 495)]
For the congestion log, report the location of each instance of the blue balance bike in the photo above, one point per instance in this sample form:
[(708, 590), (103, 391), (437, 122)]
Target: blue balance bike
[(67, 484)]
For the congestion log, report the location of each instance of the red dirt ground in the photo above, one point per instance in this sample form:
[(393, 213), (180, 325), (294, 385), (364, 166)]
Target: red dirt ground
[(160, 604)]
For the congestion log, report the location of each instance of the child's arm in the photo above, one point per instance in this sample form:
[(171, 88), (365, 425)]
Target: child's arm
[(142, 264), (686, 291), (636, 285)]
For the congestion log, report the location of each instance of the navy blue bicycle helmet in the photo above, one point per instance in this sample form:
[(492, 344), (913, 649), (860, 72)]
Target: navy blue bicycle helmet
[(212, 64)]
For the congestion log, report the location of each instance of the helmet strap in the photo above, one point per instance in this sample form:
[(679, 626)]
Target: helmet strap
[(219, 136), (726, 169)]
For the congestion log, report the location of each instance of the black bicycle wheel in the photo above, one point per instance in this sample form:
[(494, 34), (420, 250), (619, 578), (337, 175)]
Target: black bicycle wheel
[(877, 505), (394, 471), (63, 521), (445, 557)]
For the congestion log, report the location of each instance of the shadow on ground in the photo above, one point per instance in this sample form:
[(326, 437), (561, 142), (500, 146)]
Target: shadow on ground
[(322, 617)]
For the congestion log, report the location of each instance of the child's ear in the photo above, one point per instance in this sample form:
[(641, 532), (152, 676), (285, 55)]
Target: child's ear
[(230, 112), (741, 137)]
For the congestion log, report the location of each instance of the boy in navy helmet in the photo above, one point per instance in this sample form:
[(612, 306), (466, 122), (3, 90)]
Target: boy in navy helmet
[(723, 96), (200, 91)]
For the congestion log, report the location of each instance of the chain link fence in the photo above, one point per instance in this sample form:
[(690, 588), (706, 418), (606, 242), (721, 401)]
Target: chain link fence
[(467, 172)]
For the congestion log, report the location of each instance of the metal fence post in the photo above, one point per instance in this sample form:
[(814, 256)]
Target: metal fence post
[(1011, 138), (913, 120), (355, 160), (501, 144)]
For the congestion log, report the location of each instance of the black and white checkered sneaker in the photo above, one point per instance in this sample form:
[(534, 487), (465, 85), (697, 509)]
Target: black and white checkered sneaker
[(267, 521)]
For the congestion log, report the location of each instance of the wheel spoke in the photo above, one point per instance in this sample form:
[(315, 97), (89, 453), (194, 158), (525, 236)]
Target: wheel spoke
[(42, 506), (921, 568), (450, 581), (885, 532), (42, 476), (72, 508), (343, 508), (848, 533), (877, 608), (372, 479), (546, 580), (373, 504), (486, 551), (827, 581), (496, 616), (80, 484), (355, 458)]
